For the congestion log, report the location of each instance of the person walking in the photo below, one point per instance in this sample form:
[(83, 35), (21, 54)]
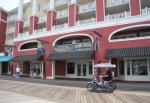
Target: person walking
[(17, 72)]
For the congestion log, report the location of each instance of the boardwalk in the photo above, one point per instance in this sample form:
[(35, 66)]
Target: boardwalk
[(63, 94)]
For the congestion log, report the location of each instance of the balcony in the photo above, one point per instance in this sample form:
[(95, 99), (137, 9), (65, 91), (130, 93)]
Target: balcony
[(12, 18), (11, 30), (40, 30), (9, 41), (24, 34), (117, 15), (86, 21), (85, 46), (111, 3), (62, 13), (87, 7), (42, 19), (60, 26), (61, 2), (145, 11), (26, 23)]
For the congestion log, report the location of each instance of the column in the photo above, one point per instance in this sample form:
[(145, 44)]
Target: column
[(51, 15), (73, 13), (100, 10), (33, 18), (19, 22), (135, 7)]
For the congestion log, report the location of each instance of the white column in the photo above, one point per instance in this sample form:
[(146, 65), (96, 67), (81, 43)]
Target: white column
[(34, 7), (51, 4), (20, 10), (73, 1)]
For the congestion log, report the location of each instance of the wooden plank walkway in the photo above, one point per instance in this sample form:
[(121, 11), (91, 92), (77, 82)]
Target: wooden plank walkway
[(73, 95)]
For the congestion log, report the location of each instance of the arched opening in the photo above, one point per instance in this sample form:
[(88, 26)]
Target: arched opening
[(131, 33), (29, 45)]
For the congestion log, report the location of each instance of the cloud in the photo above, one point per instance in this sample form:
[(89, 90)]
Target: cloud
[(10, 4)]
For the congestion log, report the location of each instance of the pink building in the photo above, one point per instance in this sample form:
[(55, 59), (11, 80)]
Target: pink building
[(116, 31)]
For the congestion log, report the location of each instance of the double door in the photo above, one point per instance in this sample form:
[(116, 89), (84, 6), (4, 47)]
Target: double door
[(81, 70)]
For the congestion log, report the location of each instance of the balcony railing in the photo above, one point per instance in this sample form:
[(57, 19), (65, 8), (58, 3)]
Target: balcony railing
[(11, 30), (60, 26), (40, 30), (110, 3), (24, 34), (9, 41), (86, 21), (117, 16), (61, 2), (73, 47), (42, 19), (62, 13), (87, 7), (12, 18), (146, 10), (26, 23)]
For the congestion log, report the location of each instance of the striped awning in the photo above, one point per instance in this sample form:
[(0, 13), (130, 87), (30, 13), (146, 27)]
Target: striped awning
[(27, 58), (71, 55), (128, 52)]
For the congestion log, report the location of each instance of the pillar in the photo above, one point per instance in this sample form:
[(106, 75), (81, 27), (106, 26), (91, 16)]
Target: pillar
[(100, 10), (135, 7), (73, 13)]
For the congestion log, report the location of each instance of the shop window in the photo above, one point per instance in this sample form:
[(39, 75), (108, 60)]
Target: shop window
[(90, 68), (30, 45), (70, 68), (121, 67), (139, 67), (128, 67)]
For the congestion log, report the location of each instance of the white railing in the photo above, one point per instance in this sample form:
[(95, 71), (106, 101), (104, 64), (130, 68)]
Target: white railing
[(117, 15), (24, 34), (9, 41), (42, 19), (60, 26), (146, 10), (40, 30), (44, 7), (26, 23), (62, 13), (12, 17), (86, 21), (87, 7), (110, 3), (61, 2), (11, 30)]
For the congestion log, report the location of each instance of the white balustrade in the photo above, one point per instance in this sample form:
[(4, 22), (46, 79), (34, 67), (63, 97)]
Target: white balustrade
[(85, 21), (24, 34), (146, 10), (11, 30), (26, 23), (117, 15), (110, 3), (62, 13), (60, 26), (61, 2), (87, 7), (42, 19), (40, 30), (12, 17)]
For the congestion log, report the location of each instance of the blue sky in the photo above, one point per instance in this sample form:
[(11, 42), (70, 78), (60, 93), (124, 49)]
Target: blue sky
[(10, 4)]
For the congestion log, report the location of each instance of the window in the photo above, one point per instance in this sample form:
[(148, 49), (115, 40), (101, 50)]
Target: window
[(90, 68), (128, 67), (70, 68), (121, 67), (30, 45), (139, 67)]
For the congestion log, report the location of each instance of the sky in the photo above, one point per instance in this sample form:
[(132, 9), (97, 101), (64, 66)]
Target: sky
[(10, 4)]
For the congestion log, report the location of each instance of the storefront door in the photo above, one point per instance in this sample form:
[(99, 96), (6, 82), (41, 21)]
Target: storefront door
[(82, 70)]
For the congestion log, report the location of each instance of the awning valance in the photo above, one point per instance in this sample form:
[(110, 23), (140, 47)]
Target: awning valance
[(27, 58), (128, 52), (71, 55), (5, 58)]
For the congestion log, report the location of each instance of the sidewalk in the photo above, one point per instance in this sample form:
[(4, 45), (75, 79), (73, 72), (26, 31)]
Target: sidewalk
[(65, 94)]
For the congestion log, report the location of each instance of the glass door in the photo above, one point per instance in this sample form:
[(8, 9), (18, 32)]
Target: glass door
[(81, 70)]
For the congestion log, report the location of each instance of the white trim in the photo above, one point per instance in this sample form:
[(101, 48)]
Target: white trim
[(69, 35), (102, 24), (53, 69), (124, 28), (25, 43)]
